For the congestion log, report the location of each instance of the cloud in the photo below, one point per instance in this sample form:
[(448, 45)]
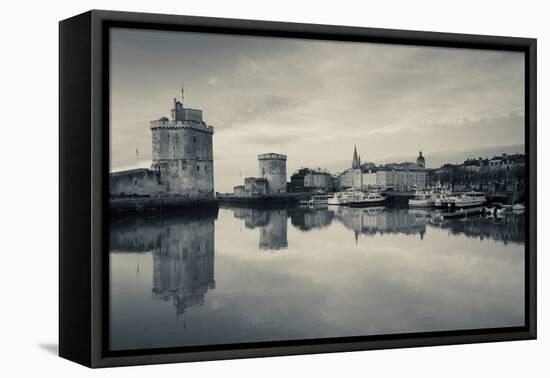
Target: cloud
[(315, 98)]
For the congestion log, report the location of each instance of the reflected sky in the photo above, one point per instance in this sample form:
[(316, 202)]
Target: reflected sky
[(246, 275)]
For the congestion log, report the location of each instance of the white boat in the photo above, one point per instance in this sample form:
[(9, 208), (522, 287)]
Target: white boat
[(443, 198), (422, 198), (365, 199), (518, 207), (469, 199), (511, 209), (341, 198), (315, 201)]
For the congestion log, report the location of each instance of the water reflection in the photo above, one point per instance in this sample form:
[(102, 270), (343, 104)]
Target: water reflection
[(379, 220), (195, 279), (183, 254), (306, 219), (509, 229), (271, 222)]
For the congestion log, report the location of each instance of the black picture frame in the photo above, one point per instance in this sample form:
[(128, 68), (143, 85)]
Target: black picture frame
[(83, 181)]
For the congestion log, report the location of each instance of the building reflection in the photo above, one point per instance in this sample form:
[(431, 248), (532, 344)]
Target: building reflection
[(509, 229), (379, 220), (306, 219), (182, 250), (271, 222)]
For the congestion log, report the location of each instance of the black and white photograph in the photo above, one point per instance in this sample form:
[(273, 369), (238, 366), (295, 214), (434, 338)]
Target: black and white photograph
[(268, 189), (219, 189)]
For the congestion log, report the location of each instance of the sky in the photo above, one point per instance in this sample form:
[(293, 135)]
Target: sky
[(314, 100)]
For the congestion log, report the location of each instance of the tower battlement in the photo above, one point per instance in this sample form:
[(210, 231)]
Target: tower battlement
[(167, 124), (272, 156)]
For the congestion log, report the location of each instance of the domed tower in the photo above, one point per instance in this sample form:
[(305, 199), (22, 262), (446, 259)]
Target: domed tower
[(420, 160)]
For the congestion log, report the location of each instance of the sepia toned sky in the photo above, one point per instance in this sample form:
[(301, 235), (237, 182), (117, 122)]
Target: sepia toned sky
[(315, 100)]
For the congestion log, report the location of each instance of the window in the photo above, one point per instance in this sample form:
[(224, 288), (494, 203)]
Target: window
[(198, 168), (194, 139)]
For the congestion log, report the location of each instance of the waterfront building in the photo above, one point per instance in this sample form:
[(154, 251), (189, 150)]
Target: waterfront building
[(506, 161), (308, 179), (400, 176), (352, 178), (473, 165), (255, 186), (238, 190), (182, 159)]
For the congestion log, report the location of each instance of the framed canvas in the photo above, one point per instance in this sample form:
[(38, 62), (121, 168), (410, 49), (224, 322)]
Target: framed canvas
[(234, 188)]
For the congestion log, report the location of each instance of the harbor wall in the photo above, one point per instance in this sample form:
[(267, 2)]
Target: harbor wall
[(134, 182)]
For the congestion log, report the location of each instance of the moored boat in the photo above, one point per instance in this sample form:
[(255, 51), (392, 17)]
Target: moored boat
[(469, 199), (361, 199), (443, 198), (340, 198), (422, 198), (518, 207), (315, 201)]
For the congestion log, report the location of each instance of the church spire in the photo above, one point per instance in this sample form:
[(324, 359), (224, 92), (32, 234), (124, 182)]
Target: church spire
[(355, 162)]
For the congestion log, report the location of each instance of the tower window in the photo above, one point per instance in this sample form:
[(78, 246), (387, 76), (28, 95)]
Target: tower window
[(198, 168), (194, 139)]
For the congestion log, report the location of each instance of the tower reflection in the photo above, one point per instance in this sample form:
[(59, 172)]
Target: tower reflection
[(306, 219), (182, 249), (272, 223)]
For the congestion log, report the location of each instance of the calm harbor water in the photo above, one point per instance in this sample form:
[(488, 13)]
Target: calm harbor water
[(246, 275)]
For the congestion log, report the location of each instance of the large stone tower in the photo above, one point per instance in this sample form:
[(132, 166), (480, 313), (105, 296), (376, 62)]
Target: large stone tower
[(182, 153), (273, 169)]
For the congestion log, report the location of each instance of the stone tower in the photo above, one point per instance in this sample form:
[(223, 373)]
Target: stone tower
[(273, 169), (182, 153)]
